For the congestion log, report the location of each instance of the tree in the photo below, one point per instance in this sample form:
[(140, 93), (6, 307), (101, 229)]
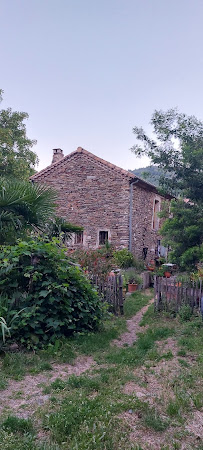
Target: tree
[(23, 206), (177, 149), (184, 233), (16, 157)]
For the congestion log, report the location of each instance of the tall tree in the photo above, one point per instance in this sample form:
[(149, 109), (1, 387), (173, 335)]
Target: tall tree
[(16, 157), (177, 149)]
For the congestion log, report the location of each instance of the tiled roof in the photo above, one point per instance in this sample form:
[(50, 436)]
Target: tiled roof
[(126, 173), (85, 152)]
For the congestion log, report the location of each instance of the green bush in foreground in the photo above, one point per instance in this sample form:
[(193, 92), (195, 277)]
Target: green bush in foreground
[(55, 297)]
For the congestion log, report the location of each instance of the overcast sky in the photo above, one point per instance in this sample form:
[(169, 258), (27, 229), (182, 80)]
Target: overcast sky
[(87, 71)]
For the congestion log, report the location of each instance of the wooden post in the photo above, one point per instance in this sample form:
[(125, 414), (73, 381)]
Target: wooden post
[(120, 279), (200, 293), (155, 293)]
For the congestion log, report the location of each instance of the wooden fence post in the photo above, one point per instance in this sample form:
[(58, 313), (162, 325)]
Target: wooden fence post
[(120, 283)]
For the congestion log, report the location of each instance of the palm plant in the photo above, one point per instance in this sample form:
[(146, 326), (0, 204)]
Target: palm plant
[(23, 206), (58, 227)]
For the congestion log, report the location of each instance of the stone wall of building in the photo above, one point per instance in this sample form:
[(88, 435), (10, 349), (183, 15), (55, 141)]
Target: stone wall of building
[(145, 222), (92, 195), (96, 195)]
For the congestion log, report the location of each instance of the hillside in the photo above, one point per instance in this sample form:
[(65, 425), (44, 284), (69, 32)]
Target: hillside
[(149, 173)]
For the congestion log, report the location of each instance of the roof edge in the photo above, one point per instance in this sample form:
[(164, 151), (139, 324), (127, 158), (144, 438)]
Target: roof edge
[(85, 152), (131, 176)]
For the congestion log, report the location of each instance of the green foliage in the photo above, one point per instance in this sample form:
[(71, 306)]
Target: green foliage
[(97, 262), (153, 420), (178, 152), (15, 424), (17, 441), (23, 206), (58, 227), (130, 275), (124, 259), (184, 233), (177, 149), (134, 303), (5, 330), (136, 355), (152, 174), (89, 423), (16, 157), (173, 408), (185, 313), (56, 297)]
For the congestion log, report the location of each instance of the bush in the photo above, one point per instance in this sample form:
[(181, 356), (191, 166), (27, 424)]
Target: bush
[(97, 262), (56, 298), (185, 313), (124, 259)]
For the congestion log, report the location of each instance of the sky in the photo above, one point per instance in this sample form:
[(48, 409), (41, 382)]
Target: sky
[(87, 71)]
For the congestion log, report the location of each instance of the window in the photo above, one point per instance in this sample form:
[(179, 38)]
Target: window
[(155, 225), (79, 237), (103, 237)]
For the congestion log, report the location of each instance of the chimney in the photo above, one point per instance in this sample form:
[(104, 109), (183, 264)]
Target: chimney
[(57, 155)]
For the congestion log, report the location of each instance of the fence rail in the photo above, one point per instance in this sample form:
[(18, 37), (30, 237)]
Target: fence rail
[(110, 290), (171, 294)]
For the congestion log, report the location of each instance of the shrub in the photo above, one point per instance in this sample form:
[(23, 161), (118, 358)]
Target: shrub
[(185, 313), (124, 259), (57, 297), (97, 262)]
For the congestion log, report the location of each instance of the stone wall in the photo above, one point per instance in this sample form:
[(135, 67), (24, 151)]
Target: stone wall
[(145, 233), (96, 195), (92, 195)]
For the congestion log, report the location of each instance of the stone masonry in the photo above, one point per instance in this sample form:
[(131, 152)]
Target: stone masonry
[(96, 195)]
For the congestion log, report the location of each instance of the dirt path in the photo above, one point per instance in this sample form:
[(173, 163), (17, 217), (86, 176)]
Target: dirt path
[(133, 328), (23, 397)]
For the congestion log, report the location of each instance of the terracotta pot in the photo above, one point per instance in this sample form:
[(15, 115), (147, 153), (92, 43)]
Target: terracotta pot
[(132, 287), (167, 274)]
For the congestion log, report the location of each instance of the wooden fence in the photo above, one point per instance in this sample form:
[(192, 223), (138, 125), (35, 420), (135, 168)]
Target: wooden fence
[(110, 290), (171, 294)]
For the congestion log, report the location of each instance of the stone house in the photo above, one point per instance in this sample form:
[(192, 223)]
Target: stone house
[(108, 202)]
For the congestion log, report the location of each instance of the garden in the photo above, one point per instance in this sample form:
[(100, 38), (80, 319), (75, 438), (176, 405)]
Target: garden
[(85, 362)]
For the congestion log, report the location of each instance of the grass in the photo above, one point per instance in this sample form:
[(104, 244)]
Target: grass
[(88, 411), (94, 419), (15, 424), (134, 303), (141, 351), (16, 365)]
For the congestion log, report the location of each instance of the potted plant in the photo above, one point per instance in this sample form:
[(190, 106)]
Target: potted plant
[(132, 280)]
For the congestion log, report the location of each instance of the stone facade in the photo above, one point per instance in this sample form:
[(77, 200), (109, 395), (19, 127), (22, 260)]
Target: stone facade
[(98, 196)]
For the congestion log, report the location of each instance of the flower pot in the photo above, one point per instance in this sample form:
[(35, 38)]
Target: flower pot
[(132, 287), (167, 274)]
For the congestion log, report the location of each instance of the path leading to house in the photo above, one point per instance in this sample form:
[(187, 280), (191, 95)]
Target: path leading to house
[(133, 328), (165, 407)]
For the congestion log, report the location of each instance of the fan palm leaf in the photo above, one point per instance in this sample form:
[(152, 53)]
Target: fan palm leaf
[(23, 204)]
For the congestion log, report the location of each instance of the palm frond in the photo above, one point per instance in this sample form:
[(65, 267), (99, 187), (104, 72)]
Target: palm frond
[(24, 204)]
